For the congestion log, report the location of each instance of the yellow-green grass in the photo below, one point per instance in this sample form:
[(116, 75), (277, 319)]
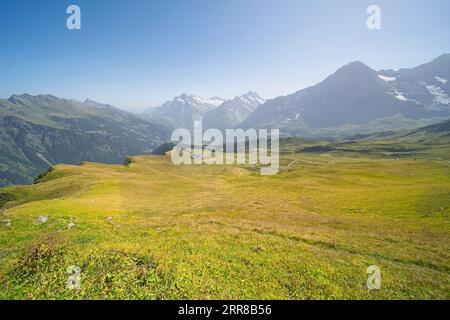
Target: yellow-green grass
[(154, 230)]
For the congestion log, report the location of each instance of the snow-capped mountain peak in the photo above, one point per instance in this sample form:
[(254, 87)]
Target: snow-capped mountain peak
[(251, 98), (203, 103), (183, 110), (232, 112)]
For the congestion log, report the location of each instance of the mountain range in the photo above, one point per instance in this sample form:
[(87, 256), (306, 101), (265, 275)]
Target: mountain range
[(216, 112), (183, 110), (232, 112), (357, 98)]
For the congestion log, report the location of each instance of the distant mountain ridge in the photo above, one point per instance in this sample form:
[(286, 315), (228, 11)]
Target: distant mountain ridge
[(183, 110), (218, 113), (232, 112), (356, 95), (38, 131), (433, 132), (443, 127)]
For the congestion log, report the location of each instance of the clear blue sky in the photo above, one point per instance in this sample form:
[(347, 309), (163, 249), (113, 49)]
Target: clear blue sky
[(140, 53)]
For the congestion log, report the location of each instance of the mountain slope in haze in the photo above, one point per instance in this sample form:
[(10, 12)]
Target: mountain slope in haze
[(356, 95), (435, 73), (232, 112), (430, 142), (438, 128), (39, 131), (438, 133), (183, 110)]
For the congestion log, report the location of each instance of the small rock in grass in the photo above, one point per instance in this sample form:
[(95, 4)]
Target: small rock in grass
[(71, 225), (258, 248), (109, 219), (7, 223), (42, 219)]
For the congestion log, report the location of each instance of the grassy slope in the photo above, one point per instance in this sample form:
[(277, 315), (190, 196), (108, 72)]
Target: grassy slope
[(227, 232)]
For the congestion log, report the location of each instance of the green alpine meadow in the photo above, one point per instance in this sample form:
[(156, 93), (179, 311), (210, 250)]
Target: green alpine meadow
[(150, 229)]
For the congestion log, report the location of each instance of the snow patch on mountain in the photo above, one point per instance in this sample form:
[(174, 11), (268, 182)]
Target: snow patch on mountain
[(252, 98), (203, 103), (387, 79), (439, 95), (399, 95), (441, 80)]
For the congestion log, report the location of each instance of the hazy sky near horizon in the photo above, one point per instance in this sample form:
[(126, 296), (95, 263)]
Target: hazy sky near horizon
[(140, 53)]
